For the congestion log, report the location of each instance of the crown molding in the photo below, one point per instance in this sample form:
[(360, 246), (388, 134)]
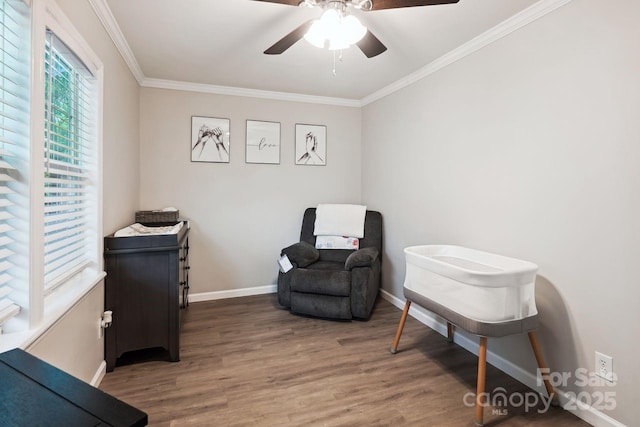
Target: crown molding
[(109, 22), (517, 21), (253, 93), (113, 29)]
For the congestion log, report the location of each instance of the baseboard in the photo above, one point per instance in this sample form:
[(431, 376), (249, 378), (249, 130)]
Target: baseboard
[(99, 375), (232, 293), (581, 410)]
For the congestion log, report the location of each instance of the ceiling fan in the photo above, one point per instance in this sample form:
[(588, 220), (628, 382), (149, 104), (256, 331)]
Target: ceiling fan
[(338, 20)]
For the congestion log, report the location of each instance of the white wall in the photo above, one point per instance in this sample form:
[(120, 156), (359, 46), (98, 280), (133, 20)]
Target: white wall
[(72, 343), (241, 214), (530, 148)]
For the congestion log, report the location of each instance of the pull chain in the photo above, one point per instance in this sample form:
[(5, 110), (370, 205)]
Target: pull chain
[(334, 61)]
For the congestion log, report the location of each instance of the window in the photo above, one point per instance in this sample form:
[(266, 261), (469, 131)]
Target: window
[(50, 168), (14, 143), (70, 164)]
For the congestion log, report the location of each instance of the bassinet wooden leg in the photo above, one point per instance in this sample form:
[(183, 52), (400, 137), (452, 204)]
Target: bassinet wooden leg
[(403, 319), (482, 374), (450, 332), (543, 367)]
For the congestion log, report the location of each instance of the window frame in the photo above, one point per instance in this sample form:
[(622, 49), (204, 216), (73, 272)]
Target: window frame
[(42, 310), (45, 308), (70, 202)]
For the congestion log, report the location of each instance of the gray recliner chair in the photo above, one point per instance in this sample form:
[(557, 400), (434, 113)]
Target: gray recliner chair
[(332, 283)]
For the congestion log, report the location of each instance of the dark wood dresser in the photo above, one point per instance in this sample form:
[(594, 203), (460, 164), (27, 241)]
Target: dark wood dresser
[(146, 286), (34, 393)]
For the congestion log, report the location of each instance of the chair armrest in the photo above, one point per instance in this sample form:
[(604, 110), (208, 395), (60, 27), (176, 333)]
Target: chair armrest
[(361, 258), (302, 254)]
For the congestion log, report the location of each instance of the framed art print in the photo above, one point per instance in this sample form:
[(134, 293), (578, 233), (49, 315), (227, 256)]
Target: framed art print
[(209, 139), (263, 142), (311, 145)]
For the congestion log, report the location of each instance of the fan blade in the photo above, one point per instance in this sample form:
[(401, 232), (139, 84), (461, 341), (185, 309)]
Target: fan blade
[(370, 45), (289, 2), (289, 40), (395, 4)]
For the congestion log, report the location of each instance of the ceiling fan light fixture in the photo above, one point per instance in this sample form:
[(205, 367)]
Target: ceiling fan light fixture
[(337, 43), (362, 4), (307, 3), (339, 31), (353, 31), (316, 35), (330, 20)]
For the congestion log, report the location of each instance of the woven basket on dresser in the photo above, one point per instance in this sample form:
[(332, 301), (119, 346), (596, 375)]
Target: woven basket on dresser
[(156, 216)]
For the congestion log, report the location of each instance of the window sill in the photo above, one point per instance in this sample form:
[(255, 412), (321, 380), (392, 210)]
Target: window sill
[(57, 304)]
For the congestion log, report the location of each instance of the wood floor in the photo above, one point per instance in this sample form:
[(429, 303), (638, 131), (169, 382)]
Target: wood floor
[(246, 362)]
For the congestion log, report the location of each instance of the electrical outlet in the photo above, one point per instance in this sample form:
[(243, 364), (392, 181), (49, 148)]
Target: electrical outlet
[(604, 366)]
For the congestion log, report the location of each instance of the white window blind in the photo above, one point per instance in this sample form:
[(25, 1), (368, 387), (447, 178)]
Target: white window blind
[(14, 143), (70, 200)]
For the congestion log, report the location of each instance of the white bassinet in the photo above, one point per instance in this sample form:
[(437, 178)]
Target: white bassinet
[(485, 294), (478, 285)]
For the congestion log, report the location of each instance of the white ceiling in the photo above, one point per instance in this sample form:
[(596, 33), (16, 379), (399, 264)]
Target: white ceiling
[(220, 42)]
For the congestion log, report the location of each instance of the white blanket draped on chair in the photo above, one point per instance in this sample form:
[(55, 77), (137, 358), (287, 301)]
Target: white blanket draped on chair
[(340, 220)]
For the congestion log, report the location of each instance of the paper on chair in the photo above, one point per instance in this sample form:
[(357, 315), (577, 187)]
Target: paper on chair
[(337, 242), (284, 263)]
